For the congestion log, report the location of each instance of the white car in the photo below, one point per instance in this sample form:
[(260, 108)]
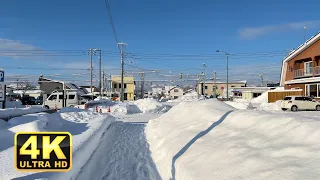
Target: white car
[(295, 103)]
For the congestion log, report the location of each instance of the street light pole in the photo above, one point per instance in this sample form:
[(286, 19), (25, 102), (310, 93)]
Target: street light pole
[(204, 81)]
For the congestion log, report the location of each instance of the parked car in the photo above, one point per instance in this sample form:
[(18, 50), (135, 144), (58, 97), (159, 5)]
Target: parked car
[(28, 100), (56, 99), (85, 98), (295, 103), (39, 100)]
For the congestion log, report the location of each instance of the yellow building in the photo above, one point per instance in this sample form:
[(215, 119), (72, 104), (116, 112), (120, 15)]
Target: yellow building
[(218, 88), (128, 82)]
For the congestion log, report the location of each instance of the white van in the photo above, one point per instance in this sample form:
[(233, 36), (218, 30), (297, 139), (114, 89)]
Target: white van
[(56, 99)]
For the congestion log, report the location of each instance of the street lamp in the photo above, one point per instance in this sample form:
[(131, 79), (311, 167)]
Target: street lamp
[(227, 55)]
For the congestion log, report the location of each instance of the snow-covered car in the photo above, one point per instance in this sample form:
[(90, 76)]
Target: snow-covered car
[(295, 103)]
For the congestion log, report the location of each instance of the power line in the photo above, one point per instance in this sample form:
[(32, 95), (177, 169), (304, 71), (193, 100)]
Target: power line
[(111, 22)]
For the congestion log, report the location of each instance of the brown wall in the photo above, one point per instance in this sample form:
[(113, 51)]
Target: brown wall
[(301, 86), (311, 52), (275, 96)]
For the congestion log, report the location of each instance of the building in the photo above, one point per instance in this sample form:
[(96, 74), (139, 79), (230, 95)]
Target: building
[(47, 86), (211, 88), (248, 92), (174, 92), (128, 85), (301, 68)]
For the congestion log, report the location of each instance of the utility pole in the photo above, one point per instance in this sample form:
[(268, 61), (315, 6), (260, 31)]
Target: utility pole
[(100, 84), (122, 44), (227, 58), (90, 54), (215, 80), (142, 84), (103, 81), (204, 79)]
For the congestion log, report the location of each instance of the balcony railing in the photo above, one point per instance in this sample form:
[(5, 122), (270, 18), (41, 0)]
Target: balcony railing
[(306, 72)]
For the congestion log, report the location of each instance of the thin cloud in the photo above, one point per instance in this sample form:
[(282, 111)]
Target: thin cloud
[(16, 49), (254, 32)]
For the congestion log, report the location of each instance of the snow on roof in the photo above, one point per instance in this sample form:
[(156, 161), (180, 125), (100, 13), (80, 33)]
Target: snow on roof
[(28, 91)]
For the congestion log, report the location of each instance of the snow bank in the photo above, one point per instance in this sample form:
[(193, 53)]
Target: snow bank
[(192, 96), (211, 140), (86, 128), (239, 103), (276, 106), (148, 105), (5, 113)]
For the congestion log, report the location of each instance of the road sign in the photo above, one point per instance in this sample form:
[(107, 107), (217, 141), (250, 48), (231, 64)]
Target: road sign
[(2, 95), (1, 76)]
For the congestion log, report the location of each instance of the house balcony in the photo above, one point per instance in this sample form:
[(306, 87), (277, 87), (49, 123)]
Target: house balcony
[(299, 73)]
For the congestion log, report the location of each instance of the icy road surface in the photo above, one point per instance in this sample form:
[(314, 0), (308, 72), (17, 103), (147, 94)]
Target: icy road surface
[(123, 152)]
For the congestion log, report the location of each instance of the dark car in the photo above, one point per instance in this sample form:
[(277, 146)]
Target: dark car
[(39, 100), (27, 100)]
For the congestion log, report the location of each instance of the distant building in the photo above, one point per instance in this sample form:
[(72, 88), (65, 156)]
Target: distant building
[(128, 85), (175, 92), (211, 88), (88, 89), (248, 92), (47, 86)]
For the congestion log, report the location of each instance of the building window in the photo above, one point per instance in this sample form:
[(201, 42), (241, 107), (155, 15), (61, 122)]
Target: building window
[(176, 90), (308, 68), (125, 85), (120, 86), (205, 87), (312, 90), (175, 97), (115, 86), (232, 86)]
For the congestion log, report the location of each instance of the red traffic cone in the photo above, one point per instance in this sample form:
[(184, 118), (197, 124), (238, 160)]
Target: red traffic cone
[(100, 110), (96, 108), (109, 109), (85, 106), (55, 108)]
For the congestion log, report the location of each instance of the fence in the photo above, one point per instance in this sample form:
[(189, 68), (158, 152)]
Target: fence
[(274, 96)]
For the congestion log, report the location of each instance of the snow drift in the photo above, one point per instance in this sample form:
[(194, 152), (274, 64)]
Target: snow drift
[(11, 112), (211, 140)]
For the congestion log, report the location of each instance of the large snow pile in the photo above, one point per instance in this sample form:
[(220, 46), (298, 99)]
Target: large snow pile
[(191, 96), (86, 128), (148, 105), (211, 140), (11, 112), (263, 98), (239, 103), (276, 106)]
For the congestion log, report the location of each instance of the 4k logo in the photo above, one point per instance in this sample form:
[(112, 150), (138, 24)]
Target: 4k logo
[(43, 151)]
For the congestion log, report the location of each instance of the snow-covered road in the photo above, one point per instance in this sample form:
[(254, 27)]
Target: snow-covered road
[(123, 152)]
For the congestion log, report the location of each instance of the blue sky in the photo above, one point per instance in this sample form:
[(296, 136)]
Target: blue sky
[(153, 29)]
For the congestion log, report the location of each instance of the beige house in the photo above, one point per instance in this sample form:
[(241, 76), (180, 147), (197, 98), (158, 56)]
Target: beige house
[(211, 88), (128, 85), (175, 92)]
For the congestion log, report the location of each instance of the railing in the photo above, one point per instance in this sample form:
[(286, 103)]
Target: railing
[(306, 72)]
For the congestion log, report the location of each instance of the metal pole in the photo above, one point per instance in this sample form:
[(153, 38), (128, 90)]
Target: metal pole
[(100, 84), (122, 70), (227, 55), (90, 51), (204, 77), (304, 38)]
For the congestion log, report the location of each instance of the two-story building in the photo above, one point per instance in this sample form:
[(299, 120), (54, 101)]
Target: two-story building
[(301, 68), (128, 85)]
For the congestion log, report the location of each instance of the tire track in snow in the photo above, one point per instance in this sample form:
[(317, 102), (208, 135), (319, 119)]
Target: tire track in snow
[(123, 153)]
